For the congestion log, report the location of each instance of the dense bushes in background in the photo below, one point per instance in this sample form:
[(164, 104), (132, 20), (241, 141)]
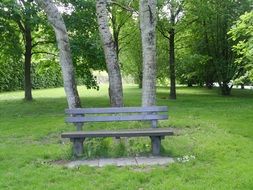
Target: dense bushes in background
[(11, 75), (44, 75)]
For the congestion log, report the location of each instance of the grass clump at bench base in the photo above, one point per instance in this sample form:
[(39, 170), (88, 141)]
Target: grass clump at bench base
[(214, 145)]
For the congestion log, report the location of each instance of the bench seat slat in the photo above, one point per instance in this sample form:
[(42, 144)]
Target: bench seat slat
[(142, 117), (122, 133), (117, 110)]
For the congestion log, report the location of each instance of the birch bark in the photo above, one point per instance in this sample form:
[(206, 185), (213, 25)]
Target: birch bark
[(148, 26), (56, 20), (112, 63)]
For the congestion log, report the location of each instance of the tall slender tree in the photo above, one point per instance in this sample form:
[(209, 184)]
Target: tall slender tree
[(111, 58), (27, 33), (24, 15), (170, 13), (148, 35), (58, 24)]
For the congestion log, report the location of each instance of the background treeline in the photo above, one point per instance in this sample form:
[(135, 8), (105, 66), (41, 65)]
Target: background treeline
[(199, 42), (43, 76)]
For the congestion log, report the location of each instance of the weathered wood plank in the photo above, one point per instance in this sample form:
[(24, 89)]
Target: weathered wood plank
[(123, 133), (117, 110), (111, 118)]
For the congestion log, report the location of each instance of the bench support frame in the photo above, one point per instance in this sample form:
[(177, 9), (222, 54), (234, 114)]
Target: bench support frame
[(156, 145), (77, 146)]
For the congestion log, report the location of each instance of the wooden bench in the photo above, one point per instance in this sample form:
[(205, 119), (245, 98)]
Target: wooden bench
[(79, 116)]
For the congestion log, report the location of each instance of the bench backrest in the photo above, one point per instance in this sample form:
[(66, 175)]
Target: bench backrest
[(79, 116)]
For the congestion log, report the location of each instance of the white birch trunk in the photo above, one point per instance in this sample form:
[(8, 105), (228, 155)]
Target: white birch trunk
[(58, 24), (148, 26), (112, 63)]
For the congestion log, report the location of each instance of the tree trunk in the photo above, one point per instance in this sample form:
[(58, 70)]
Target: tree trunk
[(115, 30), (24, 25), (115, 81), (189, 84), (209, 85), (148, 36), (172, 60), (140, 76), (58, 24), (225, 89), (27, 65)]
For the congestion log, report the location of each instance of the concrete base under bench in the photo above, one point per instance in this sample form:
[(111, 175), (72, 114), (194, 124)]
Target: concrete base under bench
[(133, 161)]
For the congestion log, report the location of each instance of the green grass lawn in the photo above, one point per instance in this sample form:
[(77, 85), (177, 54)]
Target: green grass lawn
[(216, 130)]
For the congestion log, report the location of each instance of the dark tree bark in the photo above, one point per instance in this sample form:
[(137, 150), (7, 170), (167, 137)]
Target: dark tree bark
[(189, 84), (172, 59), (175, 8), (140, 76), (24, 26), (27, 64), (225, 89), (116, 31), (209, 84)]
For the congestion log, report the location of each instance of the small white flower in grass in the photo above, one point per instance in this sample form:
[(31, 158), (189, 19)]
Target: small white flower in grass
[(192, 157), (186, 158)]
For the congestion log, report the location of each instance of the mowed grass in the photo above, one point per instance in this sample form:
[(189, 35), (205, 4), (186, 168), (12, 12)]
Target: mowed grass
[(216, 130)]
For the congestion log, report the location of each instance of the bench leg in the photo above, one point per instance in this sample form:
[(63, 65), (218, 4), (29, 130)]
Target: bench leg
[(78, 146), (156, 145)]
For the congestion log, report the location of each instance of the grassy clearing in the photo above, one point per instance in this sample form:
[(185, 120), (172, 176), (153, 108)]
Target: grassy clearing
[(216, 130)]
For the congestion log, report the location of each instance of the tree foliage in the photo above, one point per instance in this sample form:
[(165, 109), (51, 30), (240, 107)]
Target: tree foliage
[(25, 34), (242, 34), (213, 19), (85, 42)]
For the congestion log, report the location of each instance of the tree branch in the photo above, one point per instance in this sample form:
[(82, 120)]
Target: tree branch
[(127, 8), (180, 8), (43, 52), (123, 22), (128, 34), (42, 42), (122, 6), (20, 25), (160, 29)]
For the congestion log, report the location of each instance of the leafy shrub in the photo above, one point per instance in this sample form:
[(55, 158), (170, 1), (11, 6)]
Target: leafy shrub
[(11, 75), (44, 75)]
